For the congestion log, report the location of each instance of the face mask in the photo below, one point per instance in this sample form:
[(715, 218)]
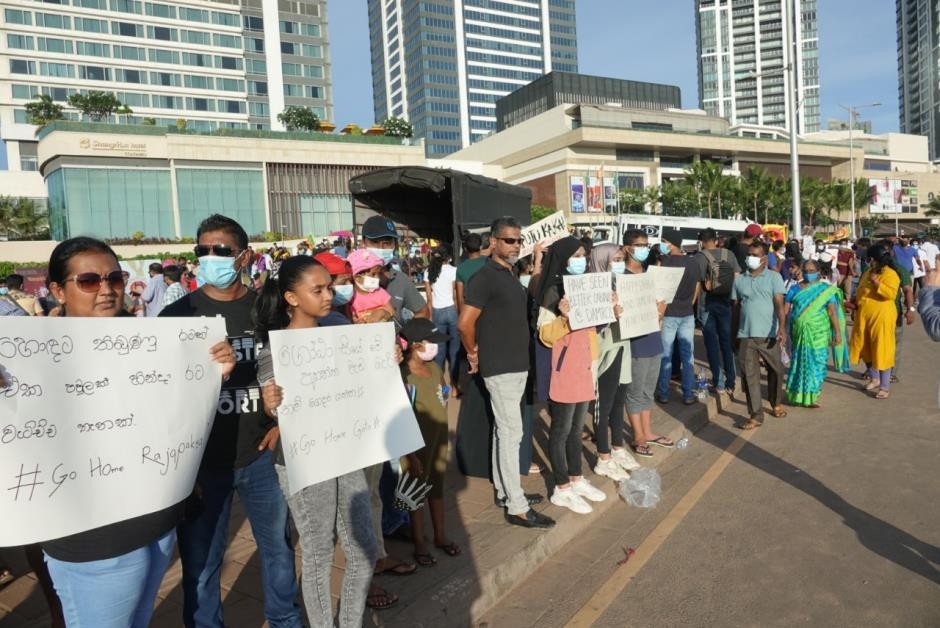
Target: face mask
[(385, 255), (342, 294), (820, 248), (218, 272), (4, 290), (753, 263), (811, 277), (576, 265), (525, 280), (618, 268), (368, 283), (641, 253), (396, 267), (664, 248), (429, 353)]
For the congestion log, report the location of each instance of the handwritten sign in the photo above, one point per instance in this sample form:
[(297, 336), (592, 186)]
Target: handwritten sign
[(345, 407), (667, 281), (637, 296), (591, 298), (101, 419), (546, 231)]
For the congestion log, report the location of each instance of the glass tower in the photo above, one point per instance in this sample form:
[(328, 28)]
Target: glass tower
[(919, 70), (443, 64)]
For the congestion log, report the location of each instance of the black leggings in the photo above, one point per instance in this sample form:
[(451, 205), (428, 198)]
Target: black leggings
[(564, 439), (609, 409)]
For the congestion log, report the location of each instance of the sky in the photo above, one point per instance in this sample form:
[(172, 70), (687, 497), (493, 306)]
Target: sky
[(655, 41)]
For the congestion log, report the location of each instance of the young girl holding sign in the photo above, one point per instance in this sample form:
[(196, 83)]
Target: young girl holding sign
[(299, 296)]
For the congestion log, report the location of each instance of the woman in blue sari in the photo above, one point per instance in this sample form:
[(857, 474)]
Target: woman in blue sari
[(817, 322)]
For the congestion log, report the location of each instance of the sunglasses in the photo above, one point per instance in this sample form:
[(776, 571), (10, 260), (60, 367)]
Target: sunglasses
[(221, 250), (91, 282), (511, 241)]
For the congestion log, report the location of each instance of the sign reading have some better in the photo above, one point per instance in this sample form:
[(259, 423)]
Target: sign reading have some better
[(345, 407), (101, 420), (637, 297), (591, 299), (547, 230)]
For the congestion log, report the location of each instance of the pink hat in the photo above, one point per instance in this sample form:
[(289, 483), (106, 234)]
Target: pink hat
[(362, 259)]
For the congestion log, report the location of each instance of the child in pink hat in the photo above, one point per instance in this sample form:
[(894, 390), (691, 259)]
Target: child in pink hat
[(370, 302)]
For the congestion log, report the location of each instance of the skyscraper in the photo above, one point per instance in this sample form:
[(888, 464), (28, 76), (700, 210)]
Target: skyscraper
[(212, 63), (919, 70), (743, 55), (443, 64)]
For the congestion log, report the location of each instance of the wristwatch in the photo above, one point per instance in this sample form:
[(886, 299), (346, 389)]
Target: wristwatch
[(912, 309)]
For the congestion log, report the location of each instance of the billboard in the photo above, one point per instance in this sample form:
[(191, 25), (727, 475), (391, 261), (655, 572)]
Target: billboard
[(886, 196), (587, 196)]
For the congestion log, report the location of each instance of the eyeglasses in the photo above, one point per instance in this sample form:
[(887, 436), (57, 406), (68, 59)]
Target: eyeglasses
[(511, 241), (222, 250), (91, 282)]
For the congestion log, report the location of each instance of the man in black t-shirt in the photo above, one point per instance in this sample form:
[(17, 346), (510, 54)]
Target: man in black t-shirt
[(494, 329), (238, 454)]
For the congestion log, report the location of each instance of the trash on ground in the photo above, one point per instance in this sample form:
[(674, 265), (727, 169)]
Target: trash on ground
[(643, 489), (627, 553)]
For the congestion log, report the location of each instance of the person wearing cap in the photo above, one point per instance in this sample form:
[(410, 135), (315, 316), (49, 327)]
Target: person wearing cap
[(752, 232), (370, 303), (341, 274), (381, 239), (425, 382), (679, 319)]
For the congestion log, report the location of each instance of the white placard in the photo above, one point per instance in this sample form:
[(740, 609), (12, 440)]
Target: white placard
[(637, 296), (345, 406), (667, 279), (104, 419), (546, 231), (591, 298)]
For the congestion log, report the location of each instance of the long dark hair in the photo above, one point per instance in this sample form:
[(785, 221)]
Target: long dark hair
[(551, 282), (270, 311), (64, 251), (438, 258), (881, 253)]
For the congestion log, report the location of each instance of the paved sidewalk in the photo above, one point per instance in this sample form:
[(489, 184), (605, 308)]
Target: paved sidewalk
[(455, 592)]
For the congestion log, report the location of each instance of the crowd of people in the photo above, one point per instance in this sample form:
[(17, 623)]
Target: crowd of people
[(492, 329)]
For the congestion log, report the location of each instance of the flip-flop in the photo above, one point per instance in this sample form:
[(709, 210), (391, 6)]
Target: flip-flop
[(381, 601), (425, 560), (398, 568), (451, 549), (6, 577), (750, 424), (882, 394), (661, 441), (643, 450)]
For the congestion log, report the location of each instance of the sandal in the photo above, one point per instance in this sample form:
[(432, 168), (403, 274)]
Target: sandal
[(871, 385), (895, 379), (425, 560), (6, 577), (778, 412), (381, 601), (451, 549), (398, 568), (750, 424), (643, 450), (661, 441), (882, 394), (535, 468)]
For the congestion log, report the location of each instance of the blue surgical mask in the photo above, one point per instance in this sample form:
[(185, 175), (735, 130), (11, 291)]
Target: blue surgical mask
[(525, 280), (641, 253), (664, 248), (4, 290), (385, 255), (618, 268), (577, 265), (342, 294), (216, 271), (810, 277)]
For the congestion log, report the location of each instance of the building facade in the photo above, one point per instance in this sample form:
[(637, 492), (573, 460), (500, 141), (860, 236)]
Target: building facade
[(211, 63), (443, 64), (919, 70), (743, 55)]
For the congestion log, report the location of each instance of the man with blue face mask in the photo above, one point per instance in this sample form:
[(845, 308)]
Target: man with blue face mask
[(679, 321), (380, 237)]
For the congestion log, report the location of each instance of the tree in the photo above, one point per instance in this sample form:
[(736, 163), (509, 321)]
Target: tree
[(397, 127), (297, 118), (96, 105), (679, 198), (756, 185), (20, 218), (932, 207), (538, 212), (125, 111), (43, 110), (706, 177)]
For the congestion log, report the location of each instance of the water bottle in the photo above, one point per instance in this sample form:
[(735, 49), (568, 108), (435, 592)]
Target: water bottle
[(682, 443), (702, 392)]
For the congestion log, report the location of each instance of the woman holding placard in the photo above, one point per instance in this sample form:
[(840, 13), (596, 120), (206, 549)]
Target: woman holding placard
[(296, 299), (573, 376), (108, 577)]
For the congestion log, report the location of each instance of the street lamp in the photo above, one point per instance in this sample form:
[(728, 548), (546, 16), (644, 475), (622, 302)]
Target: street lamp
[(853, 111)]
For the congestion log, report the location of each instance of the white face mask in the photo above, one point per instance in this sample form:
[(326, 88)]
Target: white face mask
[(753, 263), (368, 283)]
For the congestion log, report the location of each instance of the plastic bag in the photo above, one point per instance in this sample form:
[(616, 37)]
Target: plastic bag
[(643, 489)]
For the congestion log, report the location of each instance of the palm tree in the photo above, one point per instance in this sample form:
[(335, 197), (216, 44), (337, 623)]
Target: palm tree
[(756, 185), (932, 207), (19, 218), (706, 178)]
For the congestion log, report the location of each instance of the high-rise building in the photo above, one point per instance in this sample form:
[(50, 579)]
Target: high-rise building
[(213, 63), (919, 70), (443, 64), (743, 55)]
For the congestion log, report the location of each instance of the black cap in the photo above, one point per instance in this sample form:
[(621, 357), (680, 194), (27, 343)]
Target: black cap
[(378, 227), (673, 237), (422, 330)]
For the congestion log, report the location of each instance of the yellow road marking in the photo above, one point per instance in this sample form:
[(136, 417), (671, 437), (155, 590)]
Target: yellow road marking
[(618, 581)]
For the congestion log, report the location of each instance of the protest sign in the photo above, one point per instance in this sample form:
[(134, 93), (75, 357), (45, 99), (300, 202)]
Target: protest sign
[(667, 281), (637, 297), (546, 231), (591, 298), (101, 419), (345, 407)]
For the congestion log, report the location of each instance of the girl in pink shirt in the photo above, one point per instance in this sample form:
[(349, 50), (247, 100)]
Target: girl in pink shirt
[(370, 302)]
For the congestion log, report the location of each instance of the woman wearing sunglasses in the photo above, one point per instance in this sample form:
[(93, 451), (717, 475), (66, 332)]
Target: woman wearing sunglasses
[(108, 577)]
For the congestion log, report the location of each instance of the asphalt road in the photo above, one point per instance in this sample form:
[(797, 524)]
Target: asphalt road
[(827, 517)]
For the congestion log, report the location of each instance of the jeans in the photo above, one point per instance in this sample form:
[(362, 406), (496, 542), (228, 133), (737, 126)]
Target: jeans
[(445, 319), (115, 592), (681, 328), (750, 351), (608, 413), (506, 392), (204, 536), (373, 481), (322, 512), (898, 340), (716, 332), (564, 439)]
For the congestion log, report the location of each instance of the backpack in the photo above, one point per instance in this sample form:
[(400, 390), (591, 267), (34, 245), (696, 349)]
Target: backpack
[(719, 274)]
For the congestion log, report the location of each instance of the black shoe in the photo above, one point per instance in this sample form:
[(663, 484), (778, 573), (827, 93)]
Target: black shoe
[(534, 499), (531, 519)]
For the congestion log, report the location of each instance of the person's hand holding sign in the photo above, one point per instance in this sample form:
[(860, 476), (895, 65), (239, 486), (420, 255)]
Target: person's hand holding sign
[(223, 353), (272, 396)]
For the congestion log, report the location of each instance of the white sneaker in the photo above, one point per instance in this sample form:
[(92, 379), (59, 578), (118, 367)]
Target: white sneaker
[(609, 468), (584, 488), (567, 498), (625, 459)]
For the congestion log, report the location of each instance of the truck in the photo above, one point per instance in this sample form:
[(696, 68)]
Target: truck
[(655, 226)]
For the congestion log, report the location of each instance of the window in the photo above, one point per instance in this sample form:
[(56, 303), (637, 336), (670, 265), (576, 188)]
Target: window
[(200, 104), (127, 6), (133, 99), (89, 25), (166, 79), (58, 94), (65, 70), (94, 49), (24, 92), (292, 28), (197, 59), (254, 23), (258, 88), (315, 52), (51, 20), (289, 48), (19, 42), (52, 44), (13, 16), (290, 69), (230, 84), (22, 66), (257, 66), (232, 106), (129, 76), (101, 5), (313, 71), (227, 41), (225, 19), (293, 90), (195, 37), (194, 15), (315, 91), (162, 33), (161, 10), (167, 102), (127, 29), (228, 63), (311, 30), (158, 55), (254, 45), (197, 82), (259, 109), (94, 73)]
